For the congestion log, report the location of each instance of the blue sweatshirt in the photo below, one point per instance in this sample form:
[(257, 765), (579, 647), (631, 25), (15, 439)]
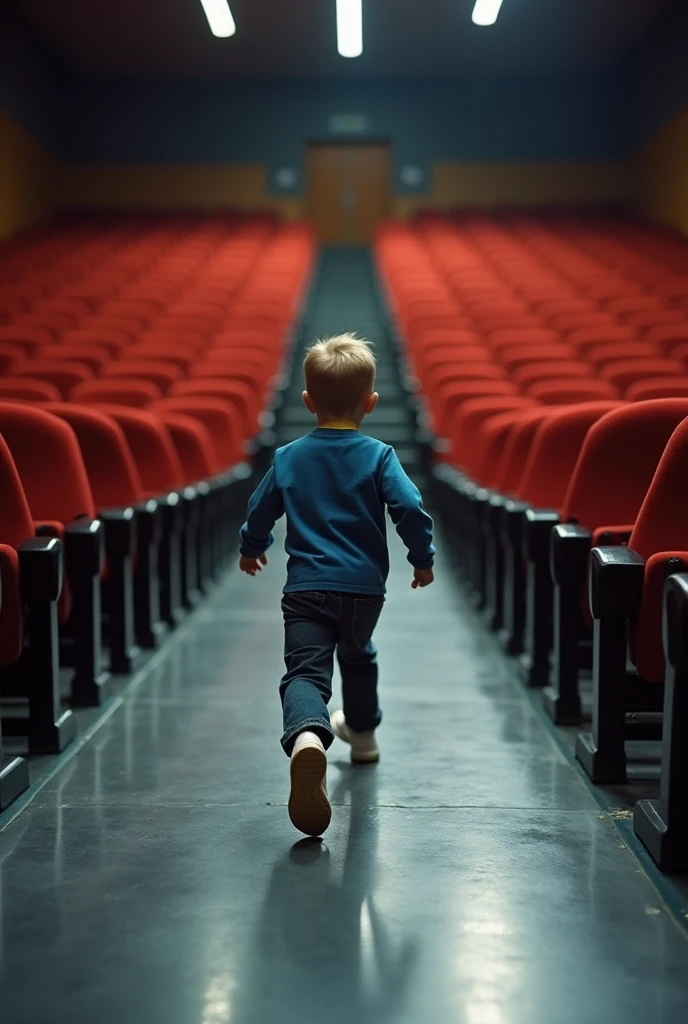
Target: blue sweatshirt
[(333, 486)]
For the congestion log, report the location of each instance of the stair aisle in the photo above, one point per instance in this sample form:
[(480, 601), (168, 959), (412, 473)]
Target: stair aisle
[(470, 877)]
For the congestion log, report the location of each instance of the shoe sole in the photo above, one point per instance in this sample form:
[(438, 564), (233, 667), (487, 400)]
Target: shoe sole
[(366, 757), (309, 808)]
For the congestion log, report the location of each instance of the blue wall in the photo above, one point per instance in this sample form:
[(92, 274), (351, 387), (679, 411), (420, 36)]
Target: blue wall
[(30, 81), (658, 74), (489, 119)]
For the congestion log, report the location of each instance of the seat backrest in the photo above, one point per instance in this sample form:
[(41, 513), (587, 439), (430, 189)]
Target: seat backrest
[(151, 447), (492, 436), (666, 337), (518, 442), (135, 393), (662, 522), (516, 357), (16, 521), (91, 355), (235, 393), (193, 445), (114, 341), (658, 387), (64, 374), (626, 372), (9, 355), (601, 355), (181, 355), (571, 391), (465, 449), (584, 338), (617, 461), (163, 374), (554, 453), (30, 339), (112, 472), (549, 369), (24, 389), (661, 528), (16, 526), (535, 336), (221, 421), (47, 455), (453, 394)]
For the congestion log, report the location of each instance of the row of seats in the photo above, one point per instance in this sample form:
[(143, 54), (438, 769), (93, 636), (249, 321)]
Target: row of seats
[(141, 364), (549, 357)]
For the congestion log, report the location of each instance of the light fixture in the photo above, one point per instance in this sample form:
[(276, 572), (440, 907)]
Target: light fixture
[(219, 17), (349, 28), (486, 12)]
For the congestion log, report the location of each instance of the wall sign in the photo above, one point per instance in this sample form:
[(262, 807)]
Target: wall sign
[(286, 178), (348, 124), (411, 176)]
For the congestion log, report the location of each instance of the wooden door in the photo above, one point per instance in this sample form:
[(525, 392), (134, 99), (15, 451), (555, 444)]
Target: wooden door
[(348, 191)]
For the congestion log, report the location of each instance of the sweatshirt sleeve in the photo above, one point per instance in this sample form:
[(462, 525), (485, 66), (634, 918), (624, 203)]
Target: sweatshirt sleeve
[(405, 506), (264, 509)]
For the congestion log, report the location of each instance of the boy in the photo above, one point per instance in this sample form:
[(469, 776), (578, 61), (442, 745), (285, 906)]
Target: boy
[(333, 485)]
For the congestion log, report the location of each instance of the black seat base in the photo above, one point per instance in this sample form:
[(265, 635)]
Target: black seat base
[(14, 779)]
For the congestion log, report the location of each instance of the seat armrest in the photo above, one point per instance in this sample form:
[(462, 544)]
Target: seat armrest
[(538, 524), (616, 582), (512, 518), (84, 545), (675, 622), (40, 569), (569, 553), (120, 530), (149, 521)]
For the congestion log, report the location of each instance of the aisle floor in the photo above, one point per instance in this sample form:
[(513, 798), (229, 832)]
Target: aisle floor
[(470, 877)]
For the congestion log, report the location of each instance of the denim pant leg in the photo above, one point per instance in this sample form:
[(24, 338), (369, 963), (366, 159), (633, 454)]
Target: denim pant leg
[(357, 658), (310, 639)]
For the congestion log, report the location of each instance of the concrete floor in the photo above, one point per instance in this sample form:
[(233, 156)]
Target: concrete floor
[(469, 878)]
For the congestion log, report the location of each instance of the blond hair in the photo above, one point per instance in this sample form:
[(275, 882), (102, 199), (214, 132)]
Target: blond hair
[(340, 372)]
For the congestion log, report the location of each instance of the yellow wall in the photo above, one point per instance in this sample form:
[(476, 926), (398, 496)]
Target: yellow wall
[(519, 184), (205, 187), (659, 174), (27, 179)]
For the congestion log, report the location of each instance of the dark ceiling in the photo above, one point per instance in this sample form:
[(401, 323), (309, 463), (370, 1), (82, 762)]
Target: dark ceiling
[(279, 38)]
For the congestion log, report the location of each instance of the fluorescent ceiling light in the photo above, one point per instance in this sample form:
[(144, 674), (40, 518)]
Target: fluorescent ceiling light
[(349, 28), (486, 12), (219, 17)]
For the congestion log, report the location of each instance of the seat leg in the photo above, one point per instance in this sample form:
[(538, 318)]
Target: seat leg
[(514, 604), (663, 824), (494, 581), (602, 752), (562, 698), (49, 728), (91, 684), (14, 777), (538, 624)]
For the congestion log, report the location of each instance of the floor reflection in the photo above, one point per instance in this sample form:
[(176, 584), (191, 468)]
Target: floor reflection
[(321, 946)]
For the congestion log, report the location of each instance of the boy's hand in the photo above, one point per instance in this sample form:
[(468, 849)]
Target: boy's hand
[(252, 565), (422, 578)]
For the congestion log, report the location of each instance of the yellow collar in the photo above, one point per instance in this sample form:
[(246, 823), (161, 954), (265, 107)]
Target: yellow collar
[(338, 425)]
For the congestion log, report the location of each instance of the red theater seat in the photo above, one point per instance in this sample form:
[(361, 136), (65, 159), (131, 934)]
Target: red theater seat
[(135, 393), (64, 374)]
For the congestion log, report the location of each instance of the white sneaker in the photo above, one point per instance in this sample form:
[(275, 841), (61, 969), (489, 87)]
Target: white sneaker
[(309, 806), (363, 745)]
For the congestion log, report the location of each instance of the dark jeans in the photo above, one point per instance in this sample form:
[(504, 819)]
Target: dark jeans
[(315, 626)]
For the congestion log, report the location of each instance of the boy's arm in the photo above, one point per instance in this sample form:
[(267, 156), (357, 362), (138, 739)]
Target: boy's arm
[(264, 509), (405, 505)]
